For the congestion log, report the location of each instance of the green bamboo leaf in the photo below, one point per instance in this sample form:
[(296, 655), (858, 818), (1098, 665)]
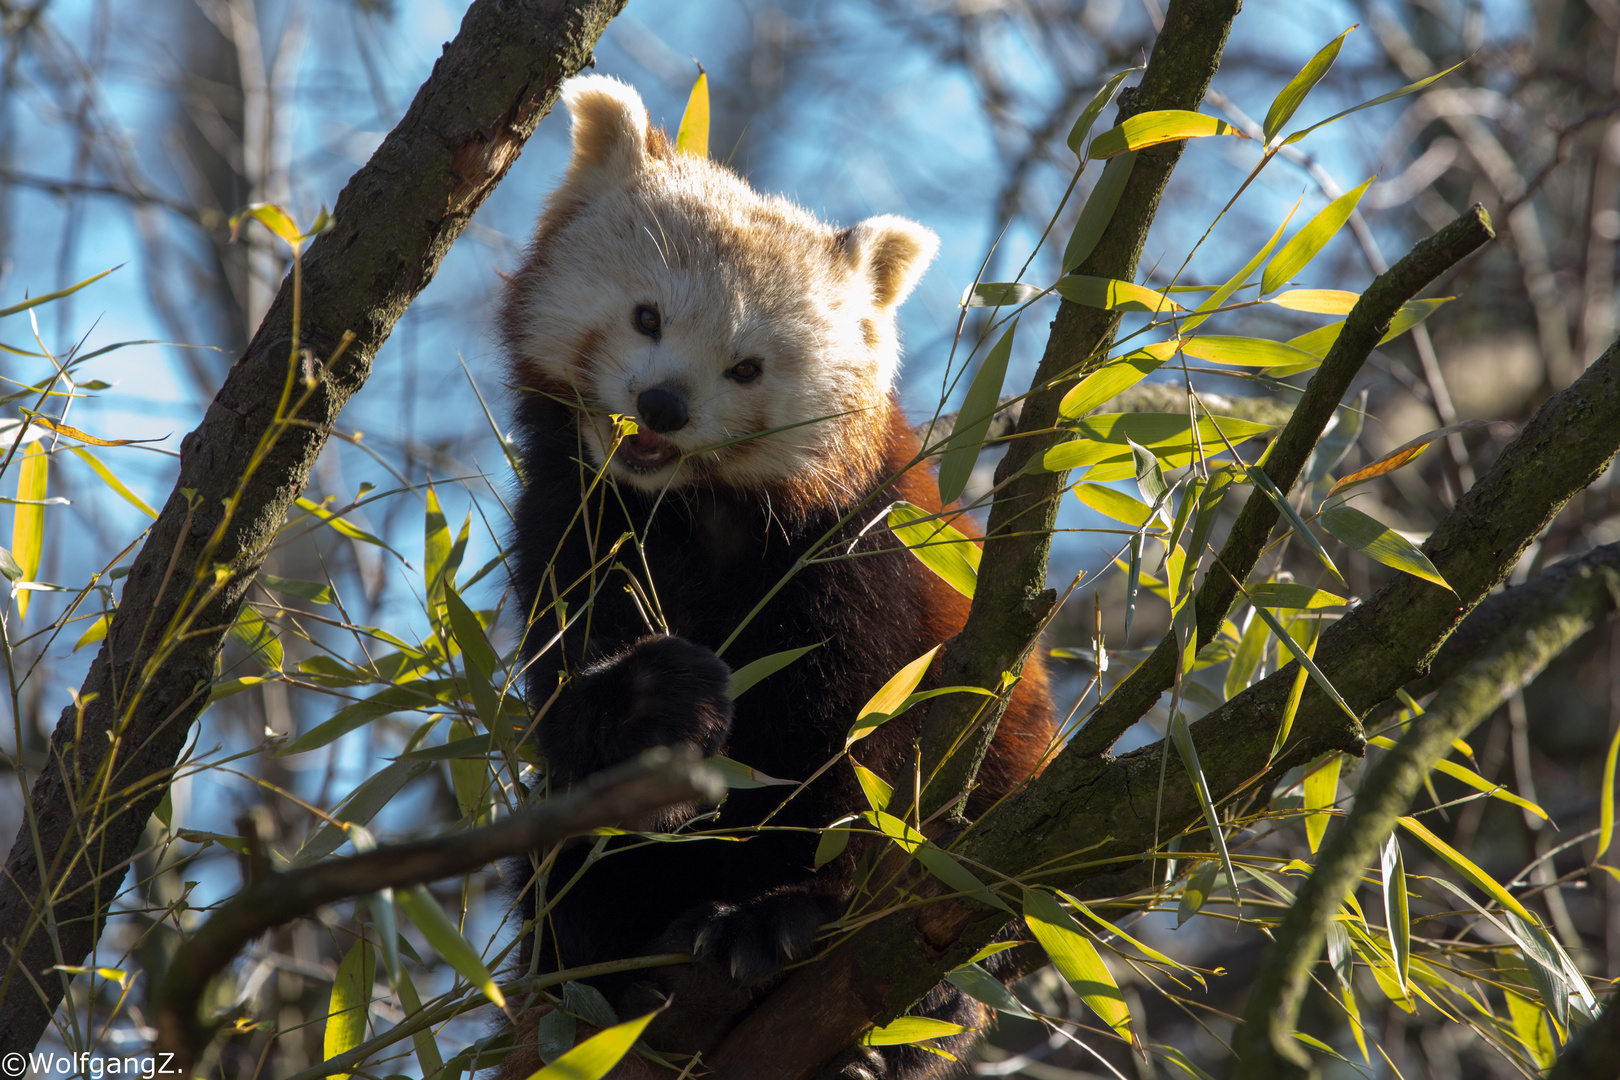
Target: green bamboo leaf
[(692, 137), (363, 804), (935, 860), (1293, 95), (1246, 352), (1115, 377), (943, 549), (1397, 914), (1251, 650), (1150, 480), (1295, 691), (891, 699), (343, 528), (1133, 582), (999, 294), (984, 987), (1306, 662), (1321, 792), (1294, 597), (1115, 504), (1112, 295), (1301, 530), (1311, 239), (113, 482), (1463, 865), (257, 637), (420, 907), (740, 777), (1076, 959), (1380, 543), (1317, 342), (874, 787), (909, 1029), (750, 673), (46, 298), (1181, 1061), (1160, 126), (350, 1002), (1098, 210), (595, 1057), (832, 843), (469, 780), (1088, 116), (435, 551), (427, 1047), (1237, 280), (1200, 884), (28, 519), (1104, 438), (469, 634), (1114, 931), (1181, 735), (392, 700), (1410, 88), (973, 421), (1529, 1019), (315, 591)]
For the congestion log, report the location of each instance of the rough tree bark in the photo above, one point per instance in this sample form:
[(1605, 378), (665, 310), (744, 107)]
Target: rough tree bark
[(392, 224)]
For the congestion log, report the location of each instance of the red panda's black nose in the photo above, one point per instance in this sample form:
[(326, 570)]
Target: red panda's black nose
[(662, 409)]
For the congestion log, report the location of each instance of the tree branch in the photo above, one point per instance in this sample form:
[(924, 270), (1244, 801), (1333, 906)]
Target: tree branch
[(242, 467), (659, 778), (1366, 325), (1265, 1045)]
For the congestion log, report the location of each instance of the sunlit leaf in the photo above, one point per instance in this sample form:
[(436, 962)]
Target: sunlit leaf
[(1463, 865), (271, 217), (935, 860), (1299, 653), (1294, 597), (1321, 791), (754, 671), (1397, 914), (1112, 295), (46, 298), (258, 637), (1410, 88), (982, 986), (595, 1057), (1160, 126), (1114, 931), (1245, 352), (28, 519), (1380, 543), (1181, 735), (939, 546), (999, 294), (94, 633), (1317, 342), (1311, 239), (1076, 959), (1471, 778), (1200, 883), (435, 551), (1404, 454), (58, 428), (1606, 798), (1237, 280), (1115, 504), (910, 1029), (1317, 301), (343, 528), (1105, 437), (1293, 95), (1088, 116), (874, 787), (1528, 1018), (692, 137), (973, 421), (888, 701), (1098, 210), (420, 907), (1114, 377), (1295, 691), (350, 1002), (1301, 530)]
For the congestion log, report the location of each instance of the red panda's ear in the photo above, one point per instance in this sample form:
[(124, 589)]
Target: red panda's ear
[(610, 128), (891, 253)]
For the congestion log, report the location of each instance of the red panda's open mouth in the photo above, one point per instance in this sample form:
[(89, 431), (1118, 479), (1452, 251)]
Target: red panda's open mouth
[(646, 451)]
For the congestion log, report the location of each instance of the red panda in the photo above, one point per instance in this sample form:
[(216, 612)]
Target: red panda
[(756, 348)]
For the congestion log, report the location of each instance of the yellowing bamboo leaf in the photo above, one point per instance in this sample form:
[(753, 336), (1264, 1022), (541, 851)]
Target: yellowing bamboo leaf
[(1088, 116), (1402, 455), (420, 907), (910, 1029), (1110, 928), (1246, 352), (350, 1002), (1606, 798), (1233, 283), (1380, 543), (1317, 342), (692, 137), (1410, 88), (1463, 865), (112, 481), (1471, 778), (595, 1057), (1528, 1018), (1160, 126), (877, 790), (1311, 239), (1317, 301), (1112, 295), (1098, 210), (890, 699), (973, 421), (740, 777), (1293, 95), (1076, 959), (98, 630), (74, 433), (1114, 504), (1321, 791), (1114, 377), (999, 294), (751, 673), (271, 217), (938, 546), (28, 519), (1106, 437)]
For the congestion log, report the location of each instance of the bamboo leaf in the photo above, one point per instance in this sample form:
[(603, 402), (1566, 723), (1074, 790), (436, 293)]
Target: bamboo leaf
[(1306, 662), (1233, 283), (350, 1002), (1410, 88), (1110, 928), (1380, 543), (343, 528), (749, 674), (59, 428), (1606, 798), (1115, 504), (1297, 690), (258, 637), (910, 1029), (1293, 95), (1103, 440), (1321, 792), (420, 907), (1404, 454), (1246, 352), (359, 808), (1294, 597), (435, 552), (832, 843), (46, 298), (999, 294), (877, 790), (947, 552), (314, 591), (1088, 116), (1115, 377), (1251, 650), (1317, 301), (889, 701), (595, 1057), (1317, 342), (692, 137), (1396, 911), (1311, 239), (394, 699), (973, 421), (96, 631), (1112, 295), (28, 519), (1098, 211), (1181, 735), (984, 987), (1160, 126), (1200, 883), (1076, 959), (740, 777), (271, 217), (1301, 530), (1471, 778), (935, 860), (1463, 865)]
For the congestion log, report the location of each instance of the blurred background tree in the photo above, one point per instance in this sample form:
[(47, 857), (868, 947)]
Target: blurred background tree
[(129, 133)]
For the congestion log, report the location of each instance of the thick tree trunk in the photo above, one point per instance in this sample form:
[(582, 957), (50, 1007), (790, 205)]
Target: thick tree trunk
[(242, 468)]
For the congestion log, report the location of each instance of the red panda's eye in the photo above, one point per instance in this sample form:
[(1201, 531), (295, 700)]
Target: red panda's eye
[(746, 371), (648, 321)]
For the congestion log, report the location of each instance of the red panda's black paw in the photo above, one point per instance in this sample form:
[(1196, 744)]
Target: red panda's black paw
[(755, 940), (675, 694)]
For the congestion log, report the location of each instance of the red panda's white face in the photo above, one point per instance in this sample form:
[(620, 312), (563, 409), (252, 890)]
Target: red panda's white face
[(749, 340)]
